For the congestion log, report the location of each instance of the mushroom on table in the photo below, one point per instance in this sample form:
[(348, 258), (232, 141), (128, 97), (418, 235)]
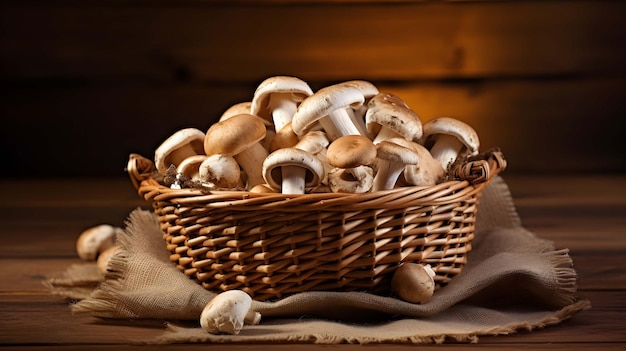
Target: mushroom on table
[(413, 282), (95, 240), (227, 312)]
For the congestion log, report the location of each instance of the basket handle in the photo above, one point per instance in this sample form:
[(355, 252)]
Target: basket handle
[(139, 169), (482, 167)]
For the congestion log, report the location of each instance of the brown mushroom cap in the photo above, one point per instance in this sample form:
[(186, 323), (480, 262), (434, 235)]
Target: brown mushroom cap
[(236, 109), (413, 282), (233, 135), (351, 151), (239, 136), (285, 137)]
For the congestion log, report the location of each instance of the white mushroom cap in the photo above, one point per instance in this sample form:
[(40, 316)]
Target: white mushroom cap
[(368, 90), (94, 240), (180, 145), (190, 167), (277, 98), (313, 142), (220, 171), (388, 116), (328, 107), (227, 312), (351, 180), (447, 138), (239, 137), (392, 158), (292, 170), (413, 282)]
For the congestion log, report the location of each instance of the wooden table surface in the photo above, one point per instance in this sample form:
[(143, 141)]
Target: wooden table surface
[(41, 220)]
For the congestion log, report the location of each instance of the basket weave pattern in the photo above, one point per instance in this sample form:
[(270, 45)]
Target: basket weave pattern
[(274, 245)]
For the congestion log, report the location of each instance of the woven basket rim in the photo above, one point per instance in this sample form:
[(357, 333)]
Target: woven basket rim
[(142, 174)]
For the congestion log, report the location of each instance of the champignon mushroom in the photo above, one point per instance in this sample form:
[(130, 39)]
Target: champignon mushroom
[(177, 147), (388, 116), (239, 137), (328, 107), (277, 99), (352, 155), (236, 109), (413, 282), (427, 171), (285, 137), (292, 170), (391, 159), (227, 312), (355, 180), (220, 171), (190, 167), (368, 90), (102, 263), (446, 138), (94, 240), (263, 189)]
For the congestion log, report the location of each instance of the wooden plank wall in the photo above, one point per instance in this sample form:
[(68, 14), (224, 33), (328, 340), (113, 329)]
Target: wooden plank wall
[(85, 83)]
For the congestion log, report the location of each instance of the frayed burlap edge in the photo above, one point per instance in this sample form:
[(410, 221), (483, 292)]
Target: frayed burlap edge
[(263, 333)]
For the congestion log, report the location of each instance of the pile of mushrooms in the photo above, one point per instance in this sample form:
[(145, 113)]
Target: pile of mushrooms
[(346, 137)]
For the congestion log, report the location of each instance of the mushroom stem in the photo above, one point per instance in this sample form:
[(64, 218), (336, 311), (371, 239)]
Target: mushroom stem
[(339, 123), (387, 174), (253, 317), (384, 134), (283, 107), (446, 149), (293, 180), (251, 161)]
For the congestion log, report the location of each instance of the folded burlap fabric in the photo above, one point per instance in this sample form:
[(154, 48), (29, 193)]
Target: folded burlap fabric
[(513, 280)]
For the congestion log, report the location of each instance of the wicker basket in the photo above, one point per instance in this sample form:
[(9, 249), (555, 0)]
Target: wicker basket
[(274, 245)]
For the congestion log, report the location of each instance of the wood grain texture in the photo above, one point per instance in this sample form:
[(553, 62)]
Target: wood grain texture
[(87, 82), (581, 212), (328, 41)]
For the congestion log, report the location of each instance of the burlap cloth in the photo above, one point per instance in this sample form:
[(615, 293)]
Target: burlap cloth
[(513, 281)]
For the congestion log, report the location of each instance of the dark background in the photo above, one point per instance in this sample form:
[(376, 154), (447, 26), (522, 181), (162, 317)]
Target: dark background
[(86, 83)]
